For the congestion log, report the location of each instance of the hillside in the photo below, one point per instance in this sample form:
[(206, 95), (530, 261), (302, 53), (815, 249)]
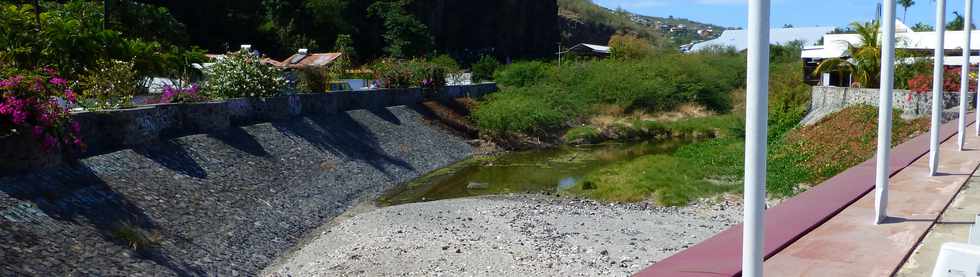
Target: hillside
[(583, 21)]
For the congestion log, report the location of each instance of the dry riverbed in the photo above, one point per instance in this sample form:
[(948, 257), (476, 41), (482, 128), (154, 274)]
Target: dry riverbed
[(510, 235)]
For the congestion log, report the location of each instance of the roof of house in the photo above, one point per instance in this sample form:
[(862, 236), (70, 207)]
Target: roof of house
[(738, 39), (310, 60), (602, 49)]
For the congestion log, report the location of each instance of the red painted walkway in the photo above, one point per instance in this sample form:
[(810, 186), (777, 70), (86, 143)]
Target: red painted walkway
[(796, 217)]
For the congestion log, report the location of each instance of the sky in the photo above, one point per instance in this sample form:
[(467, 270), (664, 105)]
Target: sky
[(800, 13)]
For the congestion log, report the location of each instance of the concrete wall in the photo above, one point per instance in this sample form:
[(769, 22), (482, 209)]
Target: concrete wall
[(107, 131), (827, 100)]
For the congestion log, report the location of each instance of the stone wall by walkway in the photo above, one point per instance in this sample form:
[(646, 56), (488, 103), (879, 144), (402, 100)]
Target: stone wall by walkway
[(107, 131), (827, 100)]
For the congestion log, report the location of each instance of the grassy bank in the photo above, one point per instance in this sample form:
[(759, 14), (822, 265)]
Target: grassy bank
[(798, 158)]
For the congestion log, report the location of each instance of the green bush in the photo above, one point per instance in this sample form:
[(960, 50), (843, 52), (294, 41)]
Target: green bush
[(524, 74), (312, 79), (110, 85), (242, 74), (484, 69), (658, 83), (518, 110), (71, 38)]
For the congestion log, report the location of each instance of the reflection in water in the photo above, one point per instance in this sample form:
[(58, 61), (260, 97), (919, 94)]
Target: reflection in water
[(548, 170)]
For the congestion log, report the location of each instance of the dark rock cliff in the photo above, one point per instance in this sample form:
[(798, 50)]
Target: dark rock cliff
[(510, 29)]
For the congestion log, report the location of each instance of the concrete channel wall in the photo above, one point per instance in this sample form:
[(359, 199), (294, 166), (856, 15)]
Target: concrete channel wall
[(827, 100), (107, 131), (211, 189)]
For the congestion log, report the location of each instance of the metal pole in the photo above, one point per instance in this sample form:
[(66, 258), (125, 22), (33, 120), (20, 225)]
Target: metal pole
[(756, 128), (965, 72), (938, 67), (885, 111)]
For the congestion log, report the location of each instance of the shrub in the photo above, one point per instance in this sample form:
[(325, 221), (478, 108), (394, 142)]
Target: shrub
[(191, 94), (524, 74), (242, 74), (312, 79), (484, 69), (517, 110), (111, 85), (922, 83), (453, 72), (28, 105), (393, 73)]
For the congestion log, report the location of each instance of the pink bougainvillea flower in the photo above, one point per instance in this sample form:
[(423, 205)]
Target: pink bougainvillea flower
[(38, 85), (74, 127), (18, 117), (38, 131), (49, 142), (58, 81), (70, 96)]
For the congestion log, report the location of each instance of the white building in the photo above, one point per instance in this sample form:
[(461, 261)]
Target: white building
[(924, 43), (835, 45), (738, 39)]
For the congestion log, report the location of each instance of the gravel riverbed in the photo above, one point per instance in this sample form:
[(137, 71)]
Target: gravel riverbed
[(510, 235)]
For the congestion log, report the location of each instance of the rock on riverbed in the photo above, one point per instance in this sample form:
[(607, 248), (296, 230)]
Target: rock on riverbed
[(506, 236)]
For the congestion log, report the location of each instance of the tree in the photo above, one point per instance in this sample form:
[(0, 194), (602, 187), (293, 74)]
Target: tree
[(865, 57), (906, 4), (922, 27), (957, 23), (404, 34), (629, 47)]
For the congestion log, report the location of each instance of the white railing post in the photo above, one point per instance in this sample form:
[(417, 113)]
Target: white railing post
[(938, 69), (965, 73), (885, 111), (756, 129)]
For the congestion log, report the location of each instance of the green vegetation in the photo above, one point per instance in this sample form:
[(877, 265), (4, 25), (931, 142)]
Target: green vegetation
[(484, 68), (111, 85), (241, 74), (711, 166), (536, 96)]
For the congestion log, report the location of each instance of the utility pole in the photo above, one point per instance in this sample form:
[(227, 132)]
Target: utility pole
[(559, 55)]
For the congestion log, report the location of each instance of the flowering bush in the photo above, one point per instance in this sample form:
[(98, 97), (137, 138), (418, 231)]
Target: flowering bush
[(111, 85), (29, 103), (242, 74), (414, 73), (922, 83), (173, 94)]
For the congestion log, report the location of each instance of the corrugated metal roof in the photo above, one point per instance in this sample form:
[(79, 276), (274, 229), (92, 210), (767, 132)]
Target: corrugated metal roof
[(591, 47), (310, 60), (738, 39)]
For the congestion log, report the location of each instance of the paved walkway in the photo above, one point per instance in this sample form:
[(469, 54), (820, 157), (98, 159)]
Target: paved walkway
[(953, 226), (849, 244)]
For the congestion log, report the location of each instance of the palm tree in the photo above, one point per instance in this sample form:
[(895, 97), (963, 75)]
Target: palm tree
[(906, 4), (865, 57)]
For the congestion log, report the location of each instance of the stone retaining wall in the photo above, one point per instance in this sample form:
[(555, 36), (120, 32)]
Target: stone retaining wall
[(107, 131), (225, 203), (827, 100)]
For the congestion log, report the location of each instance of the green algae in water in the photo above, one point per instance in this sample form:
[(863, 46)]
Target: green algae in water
[(534, 171)]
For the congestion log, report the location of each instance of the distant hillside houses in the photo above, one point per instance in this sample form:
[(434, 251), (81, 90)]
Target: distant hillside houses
[(738, 39)]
